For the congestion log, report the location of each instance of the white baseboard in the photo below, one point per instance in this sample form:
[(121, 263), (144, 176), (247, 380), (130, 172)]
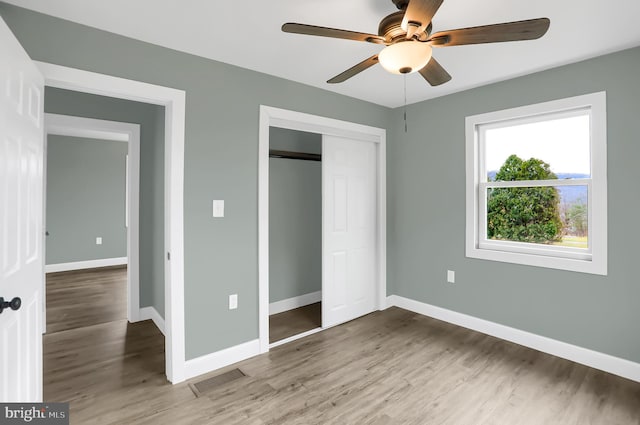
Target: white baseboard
[(222, 358), (147, 313), (295, 337), (615, 365), (80, 265), (295, 302)]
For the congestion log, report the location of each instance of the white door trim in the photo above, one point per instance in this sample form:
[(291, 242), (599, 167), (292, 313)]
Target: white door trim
[(276, 117), (65, 125), (174, 102)]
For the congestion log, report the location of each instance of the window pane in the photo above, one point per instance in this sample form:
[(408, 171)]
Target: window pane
[(542, 215), (562, 143)]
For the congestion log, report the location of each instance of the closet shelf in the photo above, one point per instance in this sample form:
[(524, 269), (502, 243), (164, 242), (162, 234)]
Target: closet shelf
[(294, 155)]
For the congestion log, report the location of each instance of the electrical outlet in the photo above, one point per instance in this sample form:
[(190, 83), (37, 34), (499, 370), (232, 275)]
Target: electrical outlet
[(233, 301), (451, 276), (98, 240)]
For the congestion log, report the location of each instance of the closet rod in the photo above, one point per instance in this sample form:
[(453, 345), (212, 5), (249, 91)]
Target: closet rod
[(295, 155)]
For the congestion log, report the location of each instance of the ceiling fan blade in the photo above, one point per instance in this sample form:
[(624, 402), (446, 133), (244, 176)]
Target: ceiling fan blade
[(294, 28), (365, 64), (510, 31), (420, 13), (434, 73)]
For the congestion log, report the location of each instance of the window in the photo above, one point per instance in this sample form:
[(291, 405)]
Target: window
[(537, 185)]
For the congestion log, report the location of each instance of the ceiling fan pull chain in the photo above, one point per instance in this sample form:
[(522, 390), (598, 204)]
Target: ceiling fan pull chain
[(405, 103)]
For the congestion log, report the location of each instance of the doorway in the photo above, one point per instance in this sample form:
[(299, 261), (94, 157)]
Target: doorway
[(342, 138), (295, 233), (92, 163), (173, 101)]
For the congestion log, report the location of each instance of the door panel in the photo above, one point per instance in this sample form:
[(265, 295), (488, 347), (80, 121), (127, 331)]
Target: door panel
[(32, 203), (337, 290), (349, 229), (10, 177), (359, 257), (339, 204), (21, 219)]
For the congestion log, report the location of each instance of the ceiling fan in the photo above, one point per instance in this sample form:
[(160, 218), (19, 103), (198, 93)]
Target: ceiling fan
[(408, 39)]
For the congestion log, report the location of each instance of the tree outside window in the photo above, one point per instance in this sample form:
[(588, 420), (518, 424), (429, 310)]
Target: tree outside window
[(524, 214)]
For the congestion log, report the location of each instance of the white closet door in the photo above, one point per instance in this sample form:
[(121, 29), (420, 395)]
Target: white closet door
[(349, 229), (21, 212)]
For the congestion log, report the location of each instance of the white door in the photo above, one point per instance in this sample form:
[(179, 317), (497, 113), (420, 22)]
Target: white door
[(349, 229), (21, 212)]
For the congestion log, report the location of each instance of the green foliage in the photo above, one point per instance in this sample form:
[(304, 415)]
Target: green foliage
[(524, 214), (577, 219)]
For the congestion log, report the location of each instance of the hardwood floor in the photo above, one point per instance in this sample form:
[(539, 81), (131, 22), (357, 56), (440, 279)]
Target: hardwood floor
[(86, 297), (390, 367), (90, 351), (87, 365), (294, 322)]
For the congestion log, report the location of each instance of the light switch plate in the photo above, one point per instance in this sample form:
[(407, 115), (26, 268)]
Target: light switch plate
[(451, 276), (98, 240), (218, 208), (233, 301)]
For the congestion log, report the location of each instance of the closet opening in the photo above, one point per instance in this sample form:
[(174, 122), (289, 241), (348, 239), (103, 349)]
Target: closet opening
[(295, 233)]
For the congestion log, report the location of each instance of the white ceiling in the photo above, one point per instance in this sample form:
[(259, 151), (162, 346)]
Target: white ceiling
[(247, 34)]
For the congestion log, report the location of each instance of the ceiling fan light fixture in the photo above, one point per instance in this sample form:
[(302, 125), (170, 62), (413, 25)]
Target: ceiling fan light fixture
[(405, 57)]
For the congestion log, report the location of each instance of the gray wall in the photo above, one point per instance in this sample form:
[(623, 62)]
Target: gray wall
[(85, 199), (295, 217), (426, 214), (221, 157), (151, 121), (296, 141)]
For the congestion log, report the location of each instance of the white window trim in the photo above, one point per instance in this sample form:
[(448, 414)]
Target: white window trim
[(595, 260)]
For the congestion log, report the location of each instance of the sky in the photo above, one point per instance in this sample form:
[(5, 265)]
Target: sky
[(561, 143)]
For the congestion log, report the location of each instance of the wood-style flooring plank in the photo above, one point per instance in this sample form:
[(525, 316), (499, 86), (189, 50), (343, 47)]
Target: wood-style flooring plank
[(388, 368), (294, 322), (82, 298)]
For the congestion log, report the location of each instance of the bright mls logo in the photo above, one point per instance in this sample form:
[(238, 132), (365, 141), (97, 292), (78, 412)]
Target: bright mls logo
[(34, 413)]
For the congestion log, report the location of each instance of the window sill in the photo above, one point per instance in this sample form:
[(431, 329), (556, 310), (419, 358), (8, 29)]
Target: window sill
[(532, 249), (594, 265)]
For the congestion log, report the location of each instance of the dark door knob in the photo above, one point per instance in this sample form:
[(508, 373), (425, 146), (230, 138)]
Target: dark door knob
[(14, 304)]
